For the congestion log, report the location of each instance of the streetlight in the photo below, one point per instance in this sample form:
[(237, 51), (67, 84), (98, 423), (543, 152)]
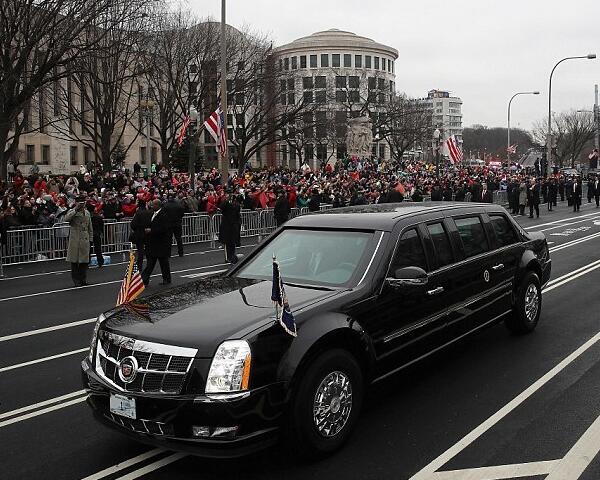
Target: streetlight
[(436, 135), (589, 56), (146, 107), (193, 114), (508, 129)]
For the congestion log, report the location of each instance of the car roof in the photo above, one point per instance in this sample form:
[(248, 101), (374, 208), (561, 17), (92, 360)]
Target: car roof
[(381, 216)]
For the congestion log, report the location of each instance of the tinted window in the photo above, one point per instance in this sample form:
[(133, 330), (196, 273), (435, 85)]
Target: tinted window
[(472, 235), (409, 252), (505, 234), (441, 244)]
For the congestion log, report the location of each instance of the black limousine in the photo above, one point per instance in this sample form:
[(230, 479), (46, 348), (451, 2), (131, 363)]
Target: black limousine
[(205, 368)]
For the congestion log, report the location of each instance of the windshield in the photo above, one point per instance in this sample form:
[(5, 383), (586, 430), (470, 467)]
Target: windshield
[(313, 257)]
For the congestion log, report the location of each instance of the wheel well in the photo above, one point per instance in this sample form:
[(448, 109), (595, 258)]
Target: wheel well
[(535, 267), (345, 339)]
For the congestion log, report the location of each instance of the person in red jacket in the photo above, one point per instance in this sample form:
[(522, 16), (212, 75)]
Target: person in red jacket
[(128, 207)]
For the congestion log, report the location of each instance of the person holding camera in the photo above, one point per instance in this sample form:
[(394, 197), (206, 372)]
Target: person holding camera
[(80, 235)]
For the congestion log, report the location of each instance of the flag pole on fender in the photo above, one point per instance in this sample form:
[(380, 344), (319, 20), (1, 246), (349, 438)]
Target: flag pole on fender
[(132, 285)]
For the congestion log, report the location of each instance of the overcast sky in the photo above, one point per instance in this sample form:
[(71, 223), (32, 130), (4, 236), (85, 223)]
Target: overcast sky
[(482, 51)]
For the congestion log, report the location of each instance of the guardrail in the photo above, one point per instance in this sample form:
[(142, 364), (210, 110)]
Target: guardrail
[(30, 244)]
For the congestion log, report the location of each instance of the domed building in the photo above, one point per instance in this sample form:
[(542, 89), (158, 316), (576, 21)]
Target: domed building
[(345, 75)]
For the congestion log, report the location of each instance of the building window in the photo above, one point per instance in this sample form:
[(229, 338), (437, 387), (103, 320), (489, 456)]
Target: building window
[(320, 96), (381, 151), (322, 152), (309, 152), (153, 154), (357, 61), (321, 121), (308, 96), (341, 96), (73, 155), (142, 155), (291, 98), (307, 83), (335, 60), (393, 67), (313, 61), (341, 124), (320, 82), (389, 65), (30, 154), (324, 60), (45, 154), (381, 84), (367, 61), (294, 63), (302, 61), (340, 82), (354, 96), (292, 155), (376, 62), (354, 82), (347, 60), (286, 63), (87, 152), (280, 64), (290, 83), (284, 156)]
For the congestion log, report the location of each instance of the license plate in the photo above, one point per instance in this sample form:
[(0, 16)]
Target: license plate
[(121, 405)]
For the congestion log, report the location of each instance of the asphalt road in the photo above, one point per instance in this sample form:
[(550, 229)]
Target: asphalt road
[(493, 406)]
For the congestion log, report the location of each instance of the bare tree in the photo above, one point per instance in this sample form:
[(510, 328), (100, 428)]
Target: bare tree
[(39, 42), (571, 131)]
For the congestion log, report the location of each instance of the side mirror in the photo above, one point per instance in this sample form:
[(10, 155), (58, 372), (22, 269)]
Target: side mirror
[(408, 277)]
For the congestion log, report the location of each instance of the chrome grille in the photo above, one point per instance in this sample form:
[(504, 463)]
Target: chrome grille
[(161, 368)]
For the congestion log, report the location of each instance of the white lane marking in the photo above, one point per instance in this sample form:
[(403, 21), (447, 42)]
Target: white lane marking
[(560, 221), (45, 359), (153, 466), (55, 272), (35, 406), (48, 292), (42, 412), (579, 456), (567, 275), (123, 465), (29, 333), (498, 472), (567, 224), (576, 241), (426, 473), (551, 243), (571, 278), (203, 274)]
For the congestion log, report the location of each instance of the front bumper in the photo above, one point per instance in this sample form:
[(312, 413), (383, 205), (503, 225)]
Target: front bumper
[(166, 420)]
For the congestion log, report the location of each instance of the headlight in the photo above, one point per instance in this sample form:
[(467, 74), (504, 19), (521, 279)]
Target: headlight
[(230, 368), (99, 321)]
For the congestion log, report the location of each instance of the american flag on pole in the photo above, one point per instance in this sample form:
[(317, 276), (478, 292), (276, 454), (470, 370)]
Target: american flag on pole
[(215, 124), (184, 127), (512, 149), (456, 155), (132, 285), (283, 313), (593, 155)]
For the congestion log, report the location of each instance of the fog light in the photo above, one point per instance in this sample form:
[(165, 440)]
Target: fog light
[(214, 432), (198, 431)]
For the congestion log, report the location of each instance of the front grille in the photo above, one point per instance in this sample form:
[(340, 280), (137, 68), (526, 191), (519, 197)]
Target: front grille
[(161, 368), (142, 426)]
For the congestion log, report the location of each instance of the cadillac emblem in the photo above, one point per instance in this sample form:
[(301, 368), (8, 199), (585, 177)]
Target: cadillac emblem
[(486, 276), (128, 368)]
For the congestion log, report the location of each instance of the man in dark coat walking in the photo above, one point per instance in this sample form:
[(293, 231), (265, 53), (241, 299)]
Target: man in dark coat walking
[(139, 224), (231, 225), (158, 243), (282, 208), (533, 198), (175, 213)]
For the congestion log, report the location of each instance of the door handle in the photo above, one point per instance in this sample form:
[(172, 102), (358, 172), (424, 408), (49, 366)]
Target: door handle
[(500, 266), (435, 291)]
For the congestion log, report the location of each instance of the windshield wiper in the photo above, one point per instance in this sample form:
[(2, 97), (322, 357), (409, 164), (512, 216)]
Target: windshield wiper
[(313, 287)]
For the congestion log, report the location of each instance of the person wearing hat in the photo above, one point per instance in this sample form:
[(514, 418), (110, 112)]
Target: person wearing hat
[(80, 235), (231, 225)]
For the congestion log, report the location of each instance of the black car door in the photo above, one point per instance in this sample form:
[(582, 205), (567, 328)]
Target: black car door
[(405, 322)]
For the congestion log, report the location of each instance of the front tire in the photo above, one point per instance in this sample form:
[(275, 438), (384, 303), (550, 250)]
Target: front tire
[(528, 305), (326, 404)]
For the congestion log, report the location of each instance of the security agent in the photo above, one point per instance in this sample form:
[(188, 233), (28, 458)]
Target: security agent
[(158, 243)]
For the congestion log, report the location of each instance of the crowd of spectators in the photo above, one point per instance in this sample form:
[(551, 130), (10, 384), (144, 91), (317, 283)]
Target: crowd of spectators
[(43, 200)]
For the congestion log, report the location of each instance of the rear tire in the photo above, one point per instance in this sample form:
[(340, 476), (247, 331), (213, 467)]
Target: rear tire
[(326, 404), (528, 305)]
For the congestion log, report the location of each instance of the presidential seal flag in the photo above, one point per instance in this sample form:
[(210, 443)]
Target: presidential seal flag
[(132, 285), (283, 314)]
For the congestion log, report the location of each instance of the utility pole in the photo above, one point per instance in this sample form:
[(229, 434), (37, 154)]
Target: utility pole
[(597, 119), (223, 162)]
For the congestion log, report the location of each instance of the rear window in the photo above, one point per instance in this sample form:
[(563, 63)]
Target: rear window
[(441, 244), (505, 233), (472, 235), (410, 252)]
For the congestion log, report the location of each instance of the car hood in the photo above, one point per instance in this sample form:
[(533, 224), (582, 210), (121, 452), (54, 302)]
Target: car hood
[(206, 312)]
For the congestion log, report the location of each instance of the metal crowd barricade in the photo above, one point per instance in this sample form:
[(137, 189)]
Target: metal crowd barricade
[(196, 229), (28, 245), (468, 196), (251, 226), (500, 197)]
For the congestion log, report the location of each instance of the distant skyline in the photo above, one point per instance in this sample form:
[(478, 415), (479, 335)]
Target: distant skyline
[(482, 51)]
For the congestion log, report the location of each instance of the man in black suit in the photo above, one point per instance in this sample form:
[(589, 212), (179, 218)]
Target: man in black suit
[(158, 243), (139, 224), (596, 187), (486, 195), (175, 212), (282, 208), (231, 224), (576, 194), (533, 198)]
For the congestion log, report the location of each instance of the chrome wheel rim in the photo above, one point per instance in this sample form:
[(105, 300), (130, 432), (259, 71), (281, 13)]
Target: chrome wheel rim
[(332, 404), (531, 303)]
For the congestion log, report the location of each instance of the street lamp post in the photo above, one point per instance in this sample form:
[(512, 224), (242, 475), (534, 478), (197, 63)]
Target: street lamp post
[(508, 129), (193, 113), (146, 106), (589, 56), (436, 135)]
